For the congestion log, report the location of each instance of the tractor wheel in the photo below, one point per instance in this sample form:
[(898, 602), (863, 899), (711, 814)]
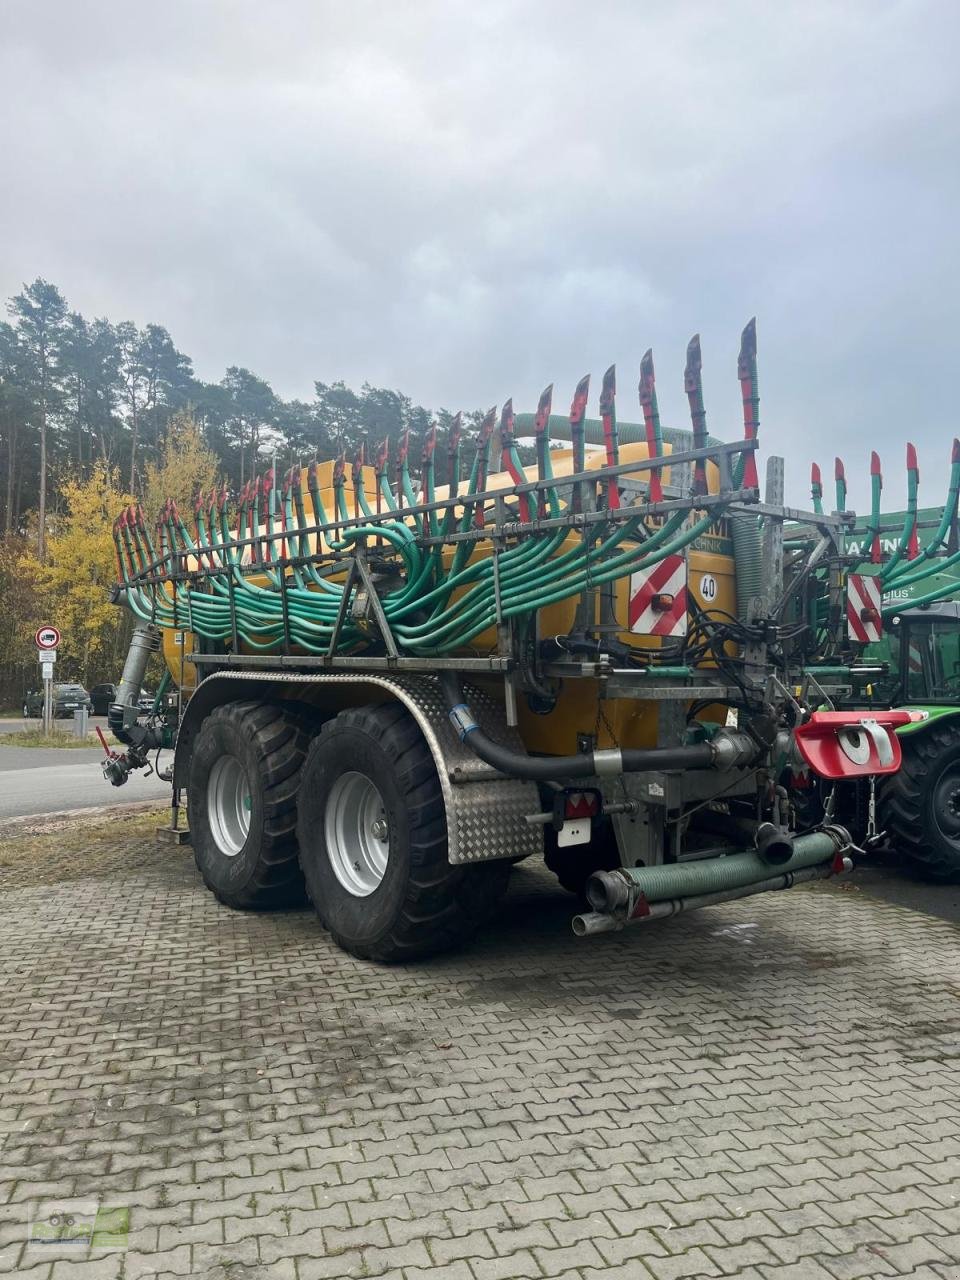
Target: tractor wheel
[(373, 841), (242, 802), (920, 805), (574, 865)]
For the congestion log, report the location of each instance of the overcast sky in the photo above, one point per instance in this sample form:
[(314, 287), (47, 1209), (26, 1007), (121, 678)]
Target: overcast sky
[(469, 200)]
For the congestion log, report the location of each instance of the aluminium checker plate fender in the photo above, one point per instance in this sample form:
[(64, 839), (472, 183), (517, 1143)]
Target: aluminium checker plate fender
[(485, 811)]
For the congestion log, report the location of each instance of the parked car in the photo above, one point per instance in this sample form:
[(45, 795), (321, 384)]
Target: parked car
[(145, 701), (101, 695), (67, 698)]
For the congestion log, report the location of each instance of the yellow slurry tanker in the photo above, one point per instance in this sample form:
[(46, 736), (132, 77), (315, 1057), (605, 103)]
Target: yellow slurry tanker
[(392, 690)]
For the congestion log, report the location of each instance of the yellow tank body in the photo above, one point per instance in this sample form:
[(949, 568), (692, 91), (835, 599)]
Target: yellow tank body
[(579, 708), (176, 647)]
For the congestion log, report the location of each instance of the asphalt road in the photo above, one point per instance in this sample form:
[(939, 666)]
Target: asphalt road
[(38, 780)]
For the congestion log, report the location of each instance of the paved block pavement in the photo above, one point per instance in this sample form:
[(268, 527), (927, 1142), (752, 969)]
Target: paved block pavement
[(768, 1089)]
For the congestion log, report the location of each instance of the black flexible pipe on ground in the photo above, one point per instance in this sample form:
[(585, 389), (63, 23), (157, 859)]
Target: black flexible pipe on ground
[(586, 764)]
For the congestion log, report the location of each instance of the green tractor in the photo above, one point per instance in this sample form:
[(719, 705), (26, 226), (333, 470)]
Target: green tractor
[(903, 614), (919, 806)]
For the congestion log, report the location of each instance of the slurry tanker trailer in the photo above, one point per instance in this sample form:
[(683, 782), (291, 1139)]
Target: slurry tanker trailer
[(391, 690)]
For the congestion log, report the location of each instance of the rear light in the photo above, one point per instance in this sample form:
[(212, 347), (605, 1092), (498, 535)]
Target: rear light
[(574, 810), (571, 805), (847, 744)]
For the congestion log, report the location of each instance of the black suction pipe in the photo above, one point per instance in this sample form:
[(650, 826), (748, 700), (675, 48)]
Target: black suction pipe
[(586, 764)]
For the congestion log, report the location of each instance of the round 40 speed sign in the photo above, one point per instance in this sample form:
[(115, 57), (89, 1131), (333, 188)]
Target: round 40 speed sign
[(47, 638)]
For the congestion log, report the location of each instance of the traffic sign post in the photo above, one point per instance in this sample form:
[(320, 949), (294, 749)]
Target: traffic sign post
[(46, 669), (47, 639)]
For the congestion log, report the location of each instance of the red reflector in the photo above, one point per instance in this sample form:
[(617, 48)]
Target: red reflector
[(581, 804), (641, 907)]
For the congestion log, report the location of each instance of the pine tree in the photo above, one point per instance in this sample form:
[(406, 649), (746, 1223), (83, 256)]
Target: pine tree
[(41, 312)]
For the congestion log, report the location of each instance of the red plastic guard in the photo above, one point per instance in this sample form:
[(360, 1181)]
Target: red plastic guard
[(852, 744)]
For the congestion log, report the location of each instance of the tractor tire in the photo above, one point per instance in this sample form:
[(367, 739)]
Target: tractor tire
[(242, 804), (919, 806), (574, 865), (373, 842)]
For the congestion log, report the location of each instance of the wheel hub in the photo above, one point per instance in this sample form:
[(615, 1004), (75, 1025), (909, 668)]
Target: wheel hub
[(357, 834), (229, 804), (946, 802)]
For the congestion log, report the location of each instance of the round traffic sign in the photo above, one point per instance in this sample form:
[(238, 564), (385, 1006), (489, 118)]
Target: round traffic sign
[(47, 638)]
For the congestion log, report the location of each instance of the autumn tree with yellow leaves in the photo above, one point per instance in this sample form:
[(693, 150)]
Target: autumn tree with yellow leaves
[(71, 589), (185, 467), (80, 570)]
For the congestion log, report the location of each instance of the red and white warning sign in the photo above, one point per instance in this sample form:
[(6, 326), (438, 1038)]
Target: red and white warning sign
[(658, 599), (864, 620)]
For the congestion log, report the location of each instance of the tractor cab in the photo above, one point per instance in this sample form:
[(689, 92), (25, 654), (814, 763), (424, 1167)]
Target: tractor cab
[(925, 650)]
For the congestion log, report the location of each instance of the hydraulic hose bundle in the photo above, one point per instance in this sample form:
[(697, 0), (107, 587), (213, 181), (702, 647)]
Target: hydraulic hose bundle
[(283, 572), (907, 564)]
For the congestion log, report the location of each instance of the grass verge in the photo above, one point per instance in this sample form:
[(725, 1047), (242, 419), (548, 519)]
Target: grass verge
[(37, 738), (37, 852)]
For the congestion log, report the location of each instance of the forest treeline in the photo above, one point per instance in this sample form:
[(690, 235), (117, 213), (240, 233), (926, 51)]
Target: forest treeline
[(96, 412), (76, 391)]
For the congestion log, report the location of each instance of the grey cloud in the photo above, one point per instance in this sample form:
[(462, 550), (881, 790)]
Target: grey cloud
[(469, 201)]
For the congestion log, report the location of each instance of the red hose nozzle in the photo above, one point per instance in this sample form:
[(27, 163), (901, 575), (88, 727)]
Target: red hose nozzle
[(542, 419), (578, 408)]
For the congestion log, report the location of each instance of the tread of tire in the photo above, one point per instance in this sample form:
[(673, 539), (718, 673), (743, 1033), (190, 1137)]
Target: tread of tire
[(282, 741), (445, 902), (901, 804)]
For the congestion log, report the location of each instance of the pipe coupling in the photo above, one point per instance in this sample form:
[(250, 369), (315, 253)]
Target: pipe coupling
[(733, 749)]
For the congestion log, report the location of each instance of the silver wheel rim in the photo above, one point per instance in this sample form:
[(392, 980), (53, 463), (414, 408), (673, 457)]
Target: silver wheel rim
[(228, 805), (356, 834)]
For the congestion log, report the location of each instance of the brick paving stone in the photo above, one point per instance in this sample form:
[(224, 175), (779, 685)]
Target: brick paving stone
[(638, 1247), (736, 1259), (658, 1103), (518, 1266), (802, 1269), (861, 1264), (693, 1263)]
